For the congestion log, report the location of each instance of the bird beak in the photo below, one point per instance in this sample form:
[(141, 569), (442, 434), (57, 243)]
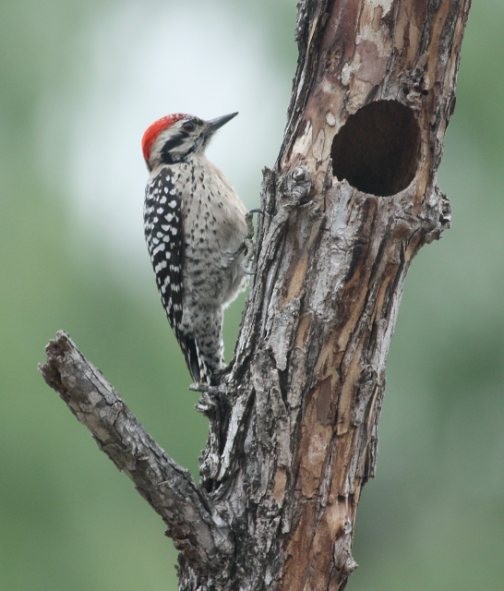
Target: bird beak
[(214, 124)]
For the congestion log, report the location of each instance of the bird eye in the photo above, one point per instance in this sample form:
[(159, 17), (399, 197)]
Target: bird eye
[(189, 126)]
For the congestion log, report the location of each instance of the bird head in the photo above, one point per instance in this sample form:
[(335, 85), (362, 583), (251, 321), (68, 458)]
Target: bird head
[(176, 137)]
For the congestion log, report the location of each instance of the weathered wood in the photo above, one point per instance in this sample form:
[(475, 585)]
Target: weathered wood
[(352, 198), (167, 487), (349, 202)]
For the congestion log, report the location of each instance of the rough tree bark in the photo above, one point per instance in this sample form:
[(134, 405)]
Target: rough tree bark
[(351, 199)]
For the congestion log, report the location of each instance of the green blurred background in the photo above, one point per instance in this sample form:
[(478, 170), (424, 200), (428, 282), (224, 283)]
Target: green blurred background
[(79, 83)]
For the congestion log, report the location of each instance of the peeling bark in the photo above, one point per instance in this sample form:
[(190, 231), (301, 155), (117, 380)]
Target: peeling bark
[(350, 201), (374, 87)]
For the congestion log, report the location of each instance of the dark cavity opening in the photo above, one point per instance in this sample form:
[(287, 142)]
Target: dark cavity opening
[(377, 149)]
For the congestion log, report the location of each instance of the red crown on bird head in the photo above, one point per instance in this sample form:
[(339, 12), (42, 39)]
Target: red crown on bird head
[(151, 133)]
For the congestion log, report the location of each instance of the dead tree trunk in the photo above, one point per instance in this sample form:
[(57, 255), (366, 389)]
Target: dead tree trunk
[(350, 201)]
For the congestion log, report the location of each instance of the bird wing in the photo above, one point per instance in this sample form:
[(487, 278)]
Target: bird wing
[(165, 242)]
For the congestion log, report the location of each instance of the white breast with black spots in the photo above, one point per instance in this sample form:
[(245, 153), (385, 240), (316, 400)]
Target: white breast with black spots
[(214, 233)]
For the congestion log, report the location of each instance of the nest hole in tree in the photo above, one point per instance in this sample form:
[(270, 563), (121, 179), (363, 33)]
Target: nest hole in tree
[(377, 149)]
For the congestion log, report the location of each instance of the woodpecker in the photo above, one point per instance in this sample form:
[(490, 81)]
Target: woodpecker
[(196, 232)]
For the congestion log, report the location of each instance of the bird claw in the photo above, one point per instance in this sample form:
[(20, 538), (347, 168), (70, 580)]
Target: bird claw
[(247, 246), (207, 389), (249, 218), (211, 398), (200, 387), (206, 405)]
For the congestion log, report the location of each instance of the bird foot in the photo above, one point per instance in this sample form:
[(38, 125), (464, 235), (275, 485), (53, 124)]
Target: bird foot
[(207, 389), (249, 218), (211, 398)]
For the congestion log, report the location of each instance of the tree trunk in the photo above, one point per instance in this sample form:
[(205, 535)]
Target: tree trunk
[(351, 199)]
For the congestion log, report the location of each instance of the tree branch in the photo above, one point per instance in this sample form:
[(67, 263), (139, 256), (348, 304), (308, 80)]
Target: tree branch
[(167, 487)]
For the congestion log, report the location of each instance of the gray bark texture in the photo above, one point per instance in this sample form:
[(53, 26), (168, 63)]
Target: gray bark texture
[(349, 202)]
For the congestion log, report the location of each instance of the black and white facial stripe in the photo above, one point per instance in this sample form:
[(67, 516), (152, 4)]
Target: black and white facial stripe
[(183, 139)]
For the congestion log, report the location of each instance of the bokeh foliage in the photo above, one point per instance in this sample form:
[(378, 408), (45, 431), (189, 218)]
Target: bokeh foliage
[(434, 516)]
